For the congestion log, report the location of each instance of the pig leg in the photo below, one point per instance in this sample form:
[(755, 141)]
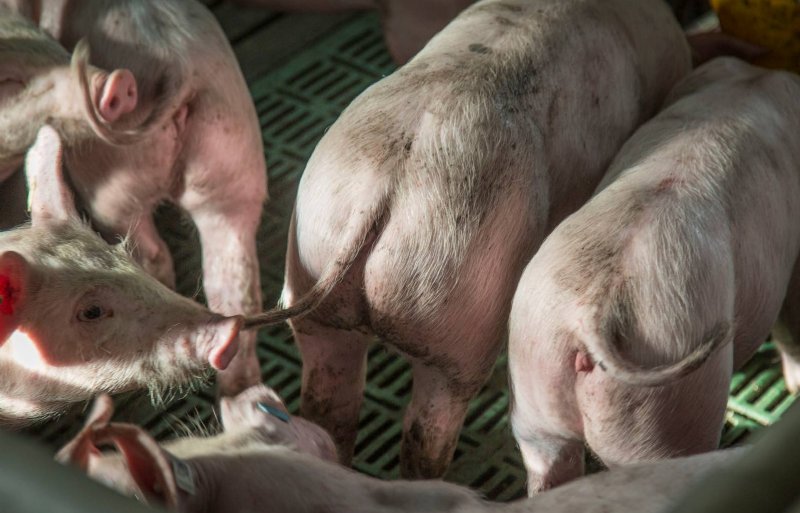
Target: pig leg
[(550, 459), (334, 373), (231, 280), (433, 420), (786, 332), (625, 424)]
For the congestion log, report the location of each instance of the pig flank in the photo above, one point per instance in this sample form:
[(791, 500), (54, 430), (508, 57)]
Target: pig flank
[(420, 206), (689, 242)]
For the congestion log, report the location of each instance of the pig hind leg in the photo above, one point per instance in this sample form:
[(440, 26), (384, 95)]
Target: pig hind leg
[(550, 459), (433, 420), (786, 332), (627, 424), (334, 374)]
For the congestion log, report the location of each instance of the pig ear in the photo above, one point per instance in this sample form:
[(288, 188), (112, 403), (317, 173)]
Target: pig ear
[(150, 466), (14, 272), (82, 449), (49, 196)]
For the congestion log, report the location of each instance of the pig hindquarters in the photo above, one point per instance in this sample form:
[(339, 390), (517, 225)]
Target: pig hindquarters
[(242, 470), (672, 275), (78, 316), (205, 154), (423, 202), (39, 84)]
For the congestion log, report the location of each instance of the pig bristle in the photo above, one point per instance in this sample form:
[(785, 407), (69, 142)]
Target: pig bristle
[(162, 394)]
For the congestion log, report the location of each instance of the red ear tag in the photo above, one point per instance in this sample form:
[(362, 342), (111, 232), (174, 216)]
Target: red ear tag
[(7, 296)]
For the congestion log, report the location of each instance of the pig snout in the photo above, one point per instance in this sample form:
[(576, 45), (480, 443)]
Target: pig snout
[(118, 95), (216, 340)]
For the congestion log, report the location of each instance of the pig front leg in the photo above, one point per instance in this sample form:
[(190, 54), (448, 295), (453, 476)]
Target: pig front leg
[(334, 373), (231, 281)]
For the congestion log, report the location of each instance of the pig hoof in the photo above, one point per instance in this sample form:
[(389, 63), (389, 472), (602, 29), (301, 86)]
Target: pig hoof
[(791, 373)]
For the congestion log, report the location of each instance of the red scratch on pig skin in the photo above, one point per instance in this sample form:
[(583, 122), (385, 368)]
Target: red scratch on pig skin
[(7, 296), (582, 362)]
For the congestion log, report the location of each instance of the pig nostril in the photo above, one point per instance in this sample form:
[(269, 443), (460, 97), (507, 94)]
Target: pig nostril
[(114, 103)]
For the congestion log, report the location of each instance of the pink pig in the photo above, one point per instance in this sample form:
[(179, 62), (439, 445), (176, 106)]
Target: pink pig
[(421, 205), (204, 151), (39, 84), (78, 316), (629, 320), (241, 471)]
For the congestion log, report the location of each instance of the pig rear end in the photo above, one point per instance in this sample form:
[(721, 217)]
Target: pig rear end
[(684, 255), (459, 163)]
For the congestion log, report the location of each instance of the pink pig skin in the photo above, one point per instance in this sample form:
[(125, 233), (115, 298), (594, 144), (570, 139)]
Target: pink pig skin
[(78, 316), (629, 321), (205, 154), (421, 205)]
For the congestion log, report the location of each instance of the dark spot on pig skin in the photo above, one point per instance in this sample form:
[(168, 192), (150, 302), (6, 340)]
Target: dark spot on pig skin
[(479, 48), (502, 20), (509, 7)]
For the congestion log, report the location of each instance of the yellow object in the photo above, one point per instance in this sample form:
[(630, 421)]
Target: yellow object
[(773, 24)]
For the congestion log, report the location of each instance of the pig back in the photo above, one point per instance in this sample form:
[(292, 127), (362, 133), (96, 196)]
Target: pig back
[(503, 123)]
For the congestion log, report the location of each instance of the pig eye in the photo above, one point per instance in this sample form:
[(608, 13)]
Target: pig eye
[(93, 313)]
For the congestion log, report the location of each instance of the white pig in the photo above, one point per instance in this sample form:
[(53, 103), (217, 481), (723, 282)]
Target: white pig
[(78, 316), (421, 205), (239, 471), (628, 322), (39, 84), (244, 469), (205, 153)]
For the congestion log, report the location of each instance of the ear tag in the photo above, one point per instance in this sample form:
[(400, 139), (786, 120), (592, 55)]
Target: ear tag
[(7, 296), (184, 477), (275, 412)]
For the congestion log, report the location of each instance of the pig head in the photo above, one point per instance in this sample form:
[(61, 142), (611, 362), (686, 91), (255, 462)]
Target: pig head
[(78, 316)]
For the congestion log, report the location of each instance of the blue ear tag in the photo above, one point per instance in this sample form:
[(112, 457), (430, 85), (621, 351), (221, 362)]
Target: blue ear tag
[(275, 412), (184, 477)]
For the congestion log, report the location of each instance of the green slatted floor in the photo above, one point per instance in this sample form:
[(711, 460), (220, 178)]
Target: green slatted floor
[(296, 103)]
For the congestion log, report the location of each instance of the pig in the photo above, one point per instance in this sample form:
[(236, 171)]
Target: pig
[(203, 152), (40, 83), (242, 469), (628, 322), (78, 316), (422, 203), (238, 471)]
